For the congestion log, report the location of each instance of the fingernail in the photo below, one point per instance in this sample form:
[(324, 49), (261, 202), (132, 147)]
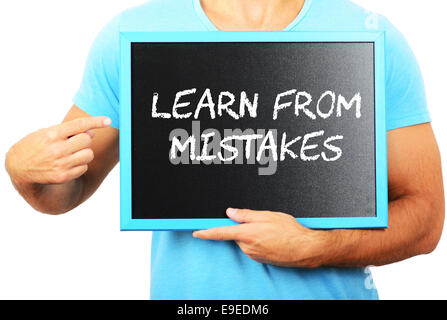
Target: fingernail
[(107, 122), (91, 133), (195, 235), (231, 211)]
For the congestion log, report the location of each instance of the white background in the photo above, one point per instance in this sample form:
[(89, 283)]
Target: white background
[(83, 255)]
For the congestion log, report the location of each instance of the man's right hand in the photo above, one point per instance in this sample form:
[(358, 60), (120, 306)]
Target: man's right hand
[(54, 155)]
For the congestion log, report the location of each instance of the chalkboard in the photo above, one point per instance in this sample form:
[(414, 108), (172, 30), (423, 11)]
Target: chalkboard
[(290, 122)]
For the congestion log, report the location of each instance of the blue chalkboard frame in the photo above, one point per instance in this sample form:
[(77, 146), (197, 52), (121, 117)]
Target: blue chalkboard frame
[(127, 38)]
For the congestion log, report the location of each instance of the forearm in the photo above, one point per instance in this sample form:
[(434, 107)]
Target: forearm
[(55, 169), (415, 226), (50, 198), (416, 217)]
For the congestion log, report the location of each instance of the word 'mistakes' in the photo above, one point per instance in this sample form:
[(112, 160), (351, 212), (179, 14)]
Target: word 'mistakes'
[(263, 147)]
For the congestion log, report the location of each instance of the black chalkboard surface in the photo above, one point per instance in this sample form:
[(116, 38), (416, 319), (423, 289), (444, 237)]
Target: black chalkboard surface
[(284, 126)]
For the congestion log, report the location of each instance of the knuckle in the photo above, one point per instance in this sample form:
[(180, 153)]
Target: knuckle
[(268, 216), (222, 235), (80, 124), (84, 169), (89, 154), (265, 212), (247, 239), (85, 138), (55, 152), (218, 235), (59, 165), (51, 134), (248, 250), (61, 177), (99, 122)]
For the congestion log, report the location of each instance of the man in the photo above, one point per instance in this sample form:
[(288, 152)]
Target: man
[(269, 255)]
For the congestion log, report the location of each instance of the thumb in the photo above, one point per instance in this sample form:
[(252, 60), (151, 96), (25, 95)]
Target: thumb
[(245, 215)]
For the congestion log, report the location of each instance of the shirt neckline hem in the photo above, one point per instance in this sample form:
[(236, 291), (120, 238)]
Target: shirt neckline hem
[(211, 27)]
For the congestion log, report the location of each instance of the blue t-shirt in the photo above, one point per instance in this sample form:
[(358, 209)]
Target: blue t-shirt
[(183, 267)]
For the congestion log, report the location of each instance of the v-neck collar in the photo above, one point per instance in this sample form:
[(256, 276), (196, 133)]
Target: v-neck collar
[(211, 27)]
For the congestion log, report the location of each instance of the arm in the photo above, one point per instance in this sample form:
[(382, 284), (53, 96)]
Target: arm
[(416, 205), (57, 168), (416, 216)]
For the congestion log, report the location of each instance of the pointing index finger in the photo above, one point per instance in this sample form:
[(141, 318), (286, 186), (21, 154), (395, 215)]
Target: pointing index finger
[(81, 125), (220, 234)]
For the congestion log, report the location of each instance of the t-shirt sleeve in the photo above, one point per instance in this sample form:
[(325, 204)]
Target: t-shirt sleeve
[(98, 94), (406, 103)]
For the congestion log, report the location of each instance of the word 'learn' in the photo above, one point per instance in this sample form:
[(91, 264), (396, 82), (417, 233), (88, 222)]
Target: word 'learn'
[(225, 103)]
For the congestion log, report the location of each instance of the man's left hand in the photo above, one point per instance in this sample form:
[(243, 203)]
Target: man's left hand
[(272, 238)]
